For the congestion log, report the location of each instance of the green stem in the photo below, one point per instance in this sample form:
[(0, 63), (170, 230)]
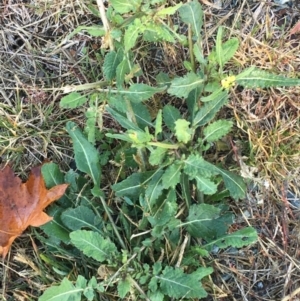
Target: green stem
[(140, 151), (191, 50), (113, 223), (200, 196), (163, 145), (88, 86), (136, 285)]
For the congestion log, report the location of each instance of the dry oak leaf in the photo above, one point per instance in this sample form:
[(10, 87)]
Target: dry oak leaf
[(22, 204), (296, 28)]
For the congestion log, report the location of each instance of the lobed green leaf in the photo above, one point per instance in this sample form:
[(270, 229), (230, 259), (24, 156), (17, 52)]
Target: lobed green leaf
[(170, 115), (157, 32), (191, 13), (195, 165), (228, 50), (65, 291), (153, 191), (125, 6), (86, 155), (79, 217), (208, 111), (110, 64), (169, 10), (140, 92), (207, 222), (94, 30), (55, 228), (183, 132), (182, 86), (164, 210), (217, 130), (142, 115), (233, 182), (155, 295), (124, 286), (205, 185), (131, 34), (133, 185), (157, 156), (92, 244), (123, 121), (237, 239), (256, 78), (224, 51), (117, 102), (72, 101), (52, 174), (199, 54), (172, 175), (177, 284)]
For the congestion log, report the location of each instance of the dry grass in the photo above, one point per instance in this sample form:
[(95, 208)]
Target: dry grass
[(269, 121), (36, 62)]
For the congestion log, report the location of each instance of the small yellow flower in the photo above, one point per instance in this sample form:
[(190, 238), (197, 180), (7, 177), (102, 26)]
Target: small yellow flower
[(228, 82), (133, 136)]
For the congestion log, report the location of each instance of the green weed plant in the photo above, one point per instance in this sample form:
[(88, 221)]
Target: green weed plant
[(167, 210)]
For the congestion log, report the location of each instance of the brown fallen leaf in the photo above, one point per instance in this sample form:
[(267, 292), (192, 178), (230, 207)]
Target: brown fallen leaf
[(22, 204), (295, 29)]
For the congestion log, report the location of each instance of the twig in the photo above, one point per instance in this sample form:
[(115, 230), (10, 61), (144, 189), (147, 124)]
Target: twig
[(103, 15), (180, 256), (135, 284), (5, 97), (105, 24), (291, 295)]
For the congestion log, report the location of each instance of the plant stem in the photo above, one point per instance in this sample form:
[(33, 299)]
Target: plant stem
[(136, 285), (200, 196), (164, 145), (105, 23), (190, 37), (140, 152), (113, 223), (87, 86)]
